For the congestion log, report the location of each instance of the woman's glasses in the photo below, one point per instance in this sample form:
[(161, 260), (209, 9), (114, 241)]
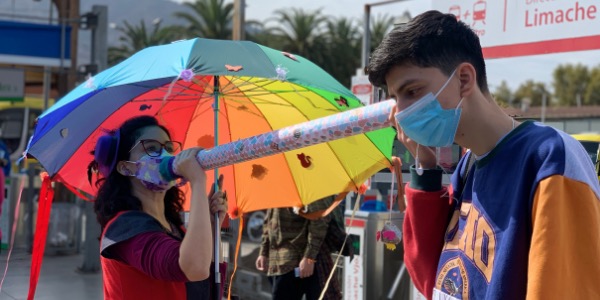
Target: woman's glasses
[(154, 148)]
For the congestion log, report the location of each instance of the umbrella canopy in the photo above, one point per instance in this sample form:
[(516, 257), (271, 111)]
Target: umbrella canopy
[(259, 89)]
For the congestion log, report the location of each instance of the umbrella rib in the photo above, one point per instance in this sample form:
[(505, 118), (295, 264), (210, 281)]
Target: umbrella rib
[(194, 87), (258, 84)]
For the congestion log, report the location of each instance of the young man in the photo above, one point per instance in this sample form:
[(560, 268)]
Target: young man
[(522, 220)]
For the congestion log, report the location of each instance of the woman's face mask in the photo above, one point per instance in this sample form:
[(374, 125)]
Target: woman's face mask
[(427, 123), (148, 170)]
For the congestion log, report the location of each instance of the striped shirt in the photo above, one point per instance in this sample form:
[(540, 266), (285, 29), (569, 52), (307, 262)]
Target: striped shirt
[(288, 237)]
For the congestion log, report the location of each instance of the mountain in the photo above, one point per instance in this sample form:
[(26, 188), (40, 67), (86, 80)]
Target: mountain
[(119, 11)]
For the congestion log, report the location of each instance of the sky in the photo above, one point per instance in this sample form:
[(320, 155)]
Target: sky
[(512, 70)]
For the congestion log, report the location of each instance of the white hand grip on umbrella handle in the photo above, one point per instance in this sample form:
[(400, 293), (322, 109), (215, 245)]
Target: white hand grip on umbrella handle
[(326, 129)]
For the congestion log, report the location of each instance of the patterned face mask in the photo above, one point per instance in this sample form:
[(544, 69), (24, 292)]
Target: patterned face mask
[(151, 172)]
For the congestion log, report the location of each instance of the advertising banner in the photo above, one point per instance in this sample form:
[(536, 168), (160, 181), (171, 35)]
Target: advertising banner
[(12, 82), (509, 28)]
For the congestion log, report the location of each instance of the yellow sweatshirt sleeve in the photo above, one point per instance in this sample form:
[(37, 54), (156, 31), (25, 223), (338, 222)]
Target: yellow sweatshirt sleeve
[(564, 258)]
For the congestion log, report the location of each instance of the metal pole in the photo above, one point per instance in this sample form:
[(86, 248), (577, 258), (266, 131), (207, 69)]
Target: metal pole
[(366, 45), (63, 38), (46, 86), (543, 107), (100, 37), (396, 282), (91, 252), (50, 13), (217, 234), (30, 204), (91, 246), (238, 33), (93, 47)]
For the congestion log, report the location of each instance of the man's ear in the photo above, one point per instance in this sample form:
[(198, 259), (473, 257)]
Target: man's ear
[(468, 79), (123, 169)]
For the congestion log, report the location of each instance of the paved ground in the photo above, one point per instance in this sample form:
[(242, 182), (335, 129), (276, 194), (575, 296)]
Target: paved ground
[(60, 280)]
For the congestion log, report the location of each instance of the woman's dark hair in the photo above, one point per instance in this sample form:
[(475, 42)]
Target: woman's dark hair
[(432, 39), (114, 191)]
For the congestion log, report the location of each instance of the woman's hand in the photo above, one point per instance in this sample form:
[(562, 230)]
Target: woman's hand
[(218, 202), (187, 165)]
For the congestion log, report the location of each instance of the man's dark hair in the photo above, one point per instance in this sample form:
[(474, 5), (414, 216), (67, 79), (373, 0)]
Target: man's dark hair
[(114, 193), (432, 39)]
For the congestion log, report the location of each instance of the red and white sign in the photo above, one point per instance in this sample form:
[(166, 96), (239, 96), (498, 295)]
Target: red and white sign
[(509, 28), (362, 89), (354, 270)]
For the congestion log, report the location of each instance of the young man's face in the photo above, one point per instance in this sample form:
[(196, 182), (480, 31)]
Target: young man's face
[(407, 84)]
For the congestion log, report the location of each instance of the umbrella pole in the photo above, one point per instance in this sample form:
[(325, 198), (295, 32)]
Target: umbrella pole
[(217, 233)]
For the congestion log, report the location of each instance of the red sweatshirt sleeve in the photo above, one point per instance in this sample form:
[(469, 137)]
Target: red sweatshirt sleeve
[(157, 254), (154, 253), (425, 222)]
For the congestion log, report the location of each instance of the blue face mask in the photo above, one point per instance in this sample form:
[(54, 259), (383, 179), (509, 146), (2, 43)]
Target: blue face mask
[(427, 123)]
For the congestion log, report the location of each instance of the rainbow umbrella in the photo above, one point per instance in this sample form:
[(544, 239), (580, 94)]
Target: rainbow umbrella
[(209, 92)]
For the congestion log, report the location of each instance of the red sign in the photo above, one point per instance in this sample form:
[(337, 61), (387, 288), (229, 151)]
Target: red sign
[(362, 89), (356, 223)]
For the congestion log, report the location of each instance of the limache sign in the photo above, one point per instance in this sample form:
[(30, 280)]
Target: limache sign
[(509, 28)]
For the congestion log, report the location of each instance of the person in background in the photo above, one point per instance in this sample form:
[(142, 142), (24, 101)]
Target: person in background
[(291, 248), (146, 253), (521, 218), (5, 164)]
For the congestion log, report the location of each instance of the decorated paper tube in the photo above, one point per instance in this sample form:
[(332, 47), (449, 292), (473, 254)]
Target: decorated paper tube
[(326, 129)]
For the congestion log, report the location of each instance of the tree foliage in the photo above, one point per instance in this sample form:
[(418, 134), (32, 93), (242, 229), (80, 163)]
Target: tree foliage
[(335, 44), (137, 37), (532, 93), (300, 31), (343, 49), (380, 26), (592, 93), (210, 19), (570, 84), (503, 95)]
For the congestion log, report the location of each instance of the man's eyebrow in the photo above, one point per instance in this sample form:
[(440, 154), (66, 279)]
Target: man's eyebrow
[(405, 84)]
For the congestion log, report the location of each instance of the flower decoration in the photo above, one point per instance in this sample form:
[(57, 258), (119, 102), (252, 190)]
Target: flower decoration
[(187, 75), (281, 73), (89, 83)]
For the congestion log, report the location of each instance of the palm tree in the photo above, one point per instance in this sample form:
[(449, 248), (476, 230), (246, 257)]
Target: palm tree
[(137, 37), (380, 26), (299, 31), (257, 32), (343, 49), (208, 19)]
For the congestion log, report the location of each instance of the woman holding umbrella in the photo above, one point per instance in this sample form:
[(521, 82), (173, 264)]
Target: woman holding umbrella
[(145, 251)]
